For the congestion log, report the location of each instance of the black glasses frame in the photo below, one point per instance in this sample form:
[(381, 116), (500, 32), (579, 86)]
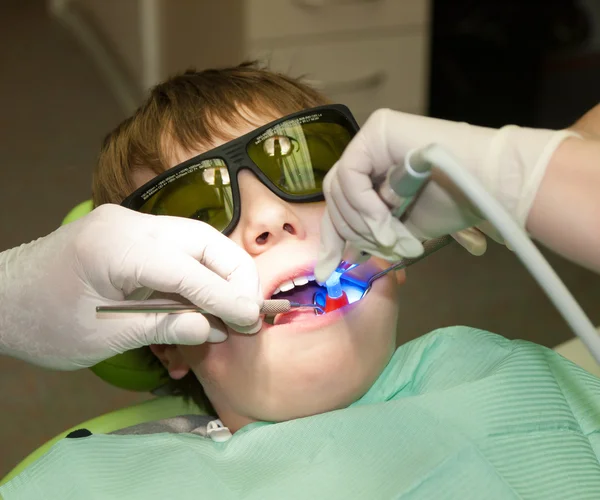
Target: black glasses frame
[(235, 158)]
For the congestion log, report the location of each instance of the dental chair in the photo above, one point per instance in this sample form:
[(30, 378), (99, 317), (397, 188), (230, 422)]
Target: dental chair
[(130, 371)]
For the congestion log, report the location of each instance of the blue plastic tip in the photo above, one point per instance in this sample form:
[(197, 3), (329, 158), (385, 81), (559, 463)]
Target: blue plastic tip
[(333, 285)]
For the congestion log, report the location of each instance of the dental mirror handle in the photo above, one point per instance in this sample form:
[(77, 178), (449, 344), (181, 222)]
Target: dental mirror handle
[(270, 307)]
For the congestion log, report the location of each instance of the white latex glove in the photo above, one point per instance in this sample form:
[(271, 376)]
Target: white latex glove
[(49, 288), (509, 162)]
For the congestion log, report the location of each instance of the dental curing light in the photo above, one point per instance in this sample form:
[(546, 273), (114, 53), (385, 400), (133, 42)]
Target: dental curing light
[(399, 189)]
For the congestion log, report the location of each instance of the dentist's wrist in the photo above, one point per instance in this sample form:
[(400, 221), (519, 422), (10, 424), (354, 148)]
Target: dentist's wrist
[(516, 163)]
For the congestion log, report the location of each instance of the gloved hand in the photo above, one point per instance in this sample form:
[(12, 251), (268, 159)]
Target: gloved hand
[(49, 288), (509, 162)]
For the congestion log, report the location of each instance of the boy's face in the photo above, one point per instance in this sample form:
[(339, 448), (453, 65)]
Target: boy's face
[(310, 364)]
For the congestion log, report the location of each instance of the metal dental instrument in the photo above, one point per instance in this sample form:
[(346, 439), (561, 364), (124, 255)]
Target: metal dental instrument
[(275, 306), (430, 246), (270, 307)]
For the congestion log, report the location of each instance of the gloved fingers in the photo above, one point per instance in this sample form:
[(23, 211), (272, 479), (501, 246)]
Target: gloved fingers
[(438, 212), (167, 269), (335, 232), (387, 241), (213, 249), (246, 329), (218, 330), (350, 223), (370, 153), (331, 249), (487, 228), (401, 244), (405, 244), (472, 240), (142, 329), (395, 254), (333, 246), (185, 329), (362, 207), (188, 329), (361, 241)]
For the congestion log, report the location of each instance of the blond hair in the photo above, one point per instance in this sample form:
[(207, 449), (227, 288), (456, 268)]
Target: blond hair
[(189, 110)]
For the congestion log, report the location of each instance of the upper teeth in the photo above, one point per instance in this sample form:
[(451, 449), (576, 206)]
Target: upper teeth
[(301, 280), (286, 286)]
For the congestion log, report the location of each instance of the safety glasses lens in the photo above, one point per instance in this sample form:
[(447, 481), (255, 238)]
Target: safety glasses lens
[(201, 191), (296, 154)]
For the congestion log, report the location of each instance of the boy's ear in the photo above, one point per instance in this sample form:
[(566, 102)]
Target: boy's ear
[(171, 358)]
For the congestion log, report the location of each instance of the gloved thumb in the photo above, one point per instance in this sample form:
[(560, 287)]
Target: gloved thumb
[(331, 250), (472, 240), (188, 329)]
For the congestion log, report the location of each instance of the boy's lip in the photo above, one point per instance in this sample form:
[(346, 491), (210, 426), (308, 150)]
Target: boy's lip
[(306, 320)]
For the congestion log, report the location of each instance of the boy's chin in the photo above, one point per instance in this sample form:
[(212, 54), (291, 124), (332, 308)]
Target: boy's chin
[(330, 383), (309, 403)]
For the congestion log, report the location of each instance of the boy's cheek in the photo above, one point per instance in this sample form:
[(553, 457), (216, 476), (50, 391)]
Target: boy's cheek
[(208, 361), (399, 275)]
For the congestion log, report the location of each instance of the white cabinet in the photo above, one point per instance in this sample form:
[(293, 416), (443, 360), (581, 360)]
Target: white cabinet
[(304, 18), (366, 54), (365, 74)]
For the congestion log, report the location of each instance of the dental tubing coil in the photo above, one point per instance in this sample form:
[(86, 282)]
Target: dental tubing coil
[(522, 245)]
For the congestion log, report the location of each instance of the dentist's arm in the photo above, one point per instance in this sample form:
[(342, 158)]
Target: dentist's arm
[(589, 124), (520, 167), (565, 215), (573, 171), (49, 288)]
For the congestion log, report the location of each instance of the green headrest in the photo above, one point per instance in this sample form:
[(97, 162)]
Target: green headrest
[(133, 370)]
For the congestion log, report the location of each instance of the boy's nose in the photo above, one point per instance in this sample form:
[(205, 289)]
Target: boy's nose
[(266, 219)]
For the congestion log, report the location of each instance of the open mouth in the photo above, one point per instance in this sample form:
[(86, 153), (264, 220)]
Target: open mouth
[(305, 290)]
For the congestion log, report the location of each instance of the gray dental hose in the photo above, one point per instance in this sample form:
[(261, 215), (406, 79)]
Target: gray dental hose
[(520, 242), (401, 188)]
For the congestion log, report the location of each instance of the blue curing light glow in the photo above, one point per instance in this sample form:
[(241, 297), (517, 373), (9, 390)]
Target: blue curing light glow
[(353, 287), (334, 288), (353, 292)]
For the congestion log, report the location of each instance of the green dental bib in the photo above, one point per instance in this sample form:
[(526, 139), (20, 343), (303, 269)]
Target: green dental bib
[(456, 414)]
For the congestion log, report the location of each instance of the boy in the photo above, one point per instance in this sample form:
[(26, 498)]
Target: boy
[(314, 405)]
